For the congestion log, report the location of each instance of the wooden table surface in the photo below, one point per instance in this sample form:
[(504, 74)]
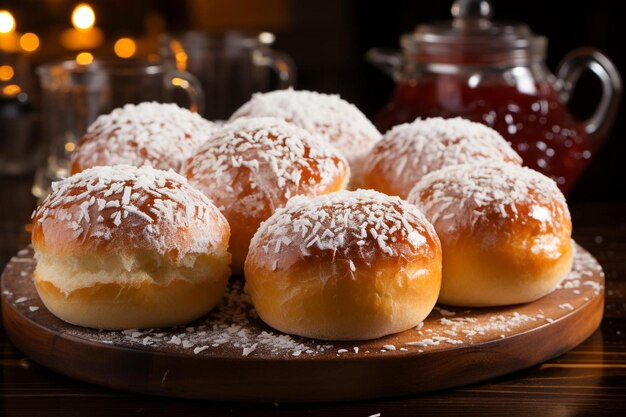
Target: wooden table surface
[(588, 381)]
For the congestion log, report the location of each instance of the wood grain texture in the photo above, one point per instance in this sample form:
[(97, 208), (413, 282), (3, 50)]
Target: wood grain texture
[(454, 347)]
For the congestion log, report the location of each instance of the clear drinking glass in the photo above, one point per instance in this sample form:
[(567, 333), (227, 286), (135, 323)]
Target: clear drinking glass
[(74, 95), (20, 146), (229, 65)]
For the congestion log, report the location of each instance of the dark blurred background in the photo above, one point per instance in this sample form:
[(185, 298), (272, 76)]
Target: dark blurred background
[(328, 39)]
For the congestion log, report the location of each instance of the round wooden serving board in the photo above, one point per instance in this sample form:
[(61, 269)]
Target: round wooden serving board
[(232, 355)]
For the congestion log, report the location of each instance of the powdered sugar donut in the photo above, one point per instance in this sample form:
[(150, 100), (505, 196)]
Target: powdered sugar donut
[(345, 266), (124, 247), (155, 134), (252, 166), (505, 231), (342, 123), (411, 150)]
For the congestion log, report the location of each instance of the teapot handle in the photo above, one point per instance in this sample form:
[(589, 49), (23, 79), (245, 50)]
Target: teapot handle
[(387, 60), (569, 71)]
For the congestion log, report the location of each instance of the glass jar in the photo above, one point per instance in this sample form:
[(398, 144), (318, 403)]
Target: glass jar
[(73, 95), (495, 73)]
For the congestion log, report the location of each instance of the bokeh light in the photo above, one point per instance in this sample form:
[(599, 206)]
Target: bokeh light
[(6, 72), (84, 58), (7, 22), (11, 90), (125, 47), (83, 16), (29, 42)]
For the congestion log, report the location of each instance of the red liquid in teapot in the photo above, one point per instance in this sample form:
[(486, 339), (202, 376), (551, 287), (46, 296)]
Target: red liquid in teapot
[(538, 126)]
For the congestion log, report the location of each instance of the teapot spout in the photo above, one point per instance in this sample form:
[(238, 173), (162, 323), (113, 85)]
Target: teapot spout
[(387, 60)]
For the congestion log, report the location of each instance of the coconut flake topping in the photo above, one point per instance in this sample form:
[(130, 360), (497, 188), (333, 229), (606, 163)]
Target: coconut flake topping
[(256, 164), (327, 114), (477, 193), (411, 150), (352, 225), (155, 134), (104, 203)]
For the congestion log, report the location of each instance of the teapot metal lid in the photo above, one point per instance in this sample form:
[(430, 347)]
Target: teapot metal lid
[(473, 38)]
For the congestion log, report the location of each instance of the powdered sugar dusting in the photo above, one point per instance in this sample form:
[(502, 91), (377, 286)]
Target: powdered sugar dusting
[(156, 134), (143, 205), (409, 151), (327, 114), (350, 225)]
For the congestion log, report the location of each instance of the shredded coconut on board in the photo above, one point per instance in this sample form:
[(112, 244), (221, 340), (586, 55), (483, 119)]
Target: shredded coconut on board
[(227, 326), (342, 123), (161, 135), (409, 151), (234, 325)]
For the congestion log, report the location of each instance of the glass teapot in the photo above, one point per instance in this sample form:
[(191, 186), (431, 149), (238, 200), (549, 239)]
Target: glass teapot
[(495, 73)]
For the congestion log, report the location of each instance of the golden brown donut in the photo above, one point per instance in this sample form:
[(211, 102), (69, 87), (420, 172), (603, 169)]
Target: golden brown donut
[(252, 166), (155, 134), (411, 150), (505, 231), (347, 129), (350, 265), (121, 247)]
